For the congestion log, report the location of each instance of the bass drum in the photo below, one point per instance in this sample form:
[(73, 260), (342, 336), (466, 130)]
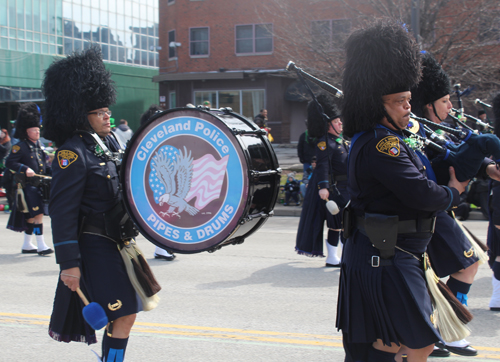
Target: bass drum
[(197, 180)]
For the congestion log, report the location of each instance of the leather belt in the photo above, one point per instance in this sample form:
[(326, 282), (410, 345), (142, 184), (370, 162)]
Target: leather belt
[(407, 226), (339, 178), (94, 229)]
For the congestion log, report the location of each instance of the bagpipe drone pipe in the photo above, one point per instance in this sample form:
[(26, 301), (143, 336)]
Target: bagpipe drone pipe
[(466, 156)]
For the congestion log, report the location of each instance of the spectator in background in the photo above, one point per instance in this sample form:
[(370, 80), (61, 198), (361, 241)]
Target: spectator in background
[(154, 108), (123, 132), (292, 188), (207, 104), (5, 146), (306, 149), (146, 116), (261, 119)]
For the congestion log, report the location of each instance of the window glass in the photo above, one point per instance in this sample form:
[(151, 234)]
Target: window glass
[(172, 51), (20, 14), (230, 99), (199, 41), (28, 12)]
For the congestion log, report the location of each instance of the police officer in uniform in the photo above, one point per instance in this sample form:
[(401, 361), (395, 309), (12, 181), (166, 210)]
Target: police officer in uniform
[(331, 171), (28, 160), (384, 309), (450, 251), (494, 224), (85, 202)]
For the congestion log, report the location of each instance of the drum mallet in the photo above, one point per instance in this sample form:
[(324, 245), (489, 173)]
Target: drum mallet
[(332, 207), (93, 313)]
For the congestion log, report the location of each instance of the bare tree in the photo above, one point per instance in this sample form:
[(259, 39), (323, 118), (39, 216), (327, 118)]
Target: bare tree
[(463, 35)]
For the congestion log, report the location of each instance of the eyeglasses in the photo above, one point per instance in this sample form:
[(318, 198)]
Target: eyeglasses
[(100, 114)]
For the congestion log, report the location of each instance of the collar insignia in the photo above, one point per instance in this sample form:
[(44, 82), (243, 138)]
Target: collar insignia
[(66, 158), (389, 146)]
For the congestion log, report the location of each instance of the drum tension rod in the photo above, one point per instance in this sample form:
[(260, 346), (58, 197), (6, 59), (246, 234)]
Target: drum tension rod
[(256, 174), (262, 215), (241, 131)]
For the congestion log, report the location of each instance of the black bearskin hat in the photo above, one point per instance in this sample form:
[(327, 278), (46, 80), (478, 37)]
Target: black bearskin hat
[(435, 84), (149, 113), (383, 59), (496, 113), (72, 87), (28, 116), (316, 125)]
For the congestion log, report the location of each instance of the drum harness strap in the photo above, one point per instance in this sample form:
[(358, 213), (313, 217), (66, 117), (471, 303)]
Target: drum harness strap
[(116, 223)]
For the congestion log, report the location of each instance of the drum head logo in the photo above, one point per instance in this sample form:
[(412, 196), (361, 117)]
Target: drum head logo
[(188, 182)]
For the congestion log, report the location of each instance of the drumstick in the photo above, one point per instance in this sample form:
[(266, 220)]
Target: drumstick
[(93, 313)]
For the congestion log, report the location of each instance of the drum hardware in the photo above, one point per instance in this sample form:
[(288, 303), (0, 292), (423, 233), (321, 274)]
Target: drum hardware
[(226, 110), (259, 131), (262, 215), (236, 241), (257, 174)]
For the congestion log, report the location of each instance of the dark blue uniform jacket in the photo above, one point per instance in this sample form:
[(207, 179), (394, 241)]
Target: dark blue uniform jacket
[(83, 184)]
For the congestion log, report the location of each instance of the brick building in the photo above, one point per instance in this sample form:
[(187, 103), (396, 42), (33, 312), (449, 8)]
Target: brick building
[(230, 52)]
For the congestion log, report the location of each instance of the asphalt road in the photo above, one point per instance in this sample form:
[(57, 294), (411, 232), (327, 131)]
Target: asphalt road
[(258, 301)]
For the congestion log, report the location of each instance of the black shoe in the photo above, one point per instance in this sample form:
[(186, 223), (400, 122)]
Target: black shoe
[(463, 351), (495, 309), (165, 257), (328, 265), (440, 351), (30, 251), (45, 252)]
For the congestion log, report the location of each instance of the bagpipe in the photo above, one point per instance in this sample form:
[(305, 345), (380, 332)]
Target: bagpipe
[(337, 201), (466, 156)]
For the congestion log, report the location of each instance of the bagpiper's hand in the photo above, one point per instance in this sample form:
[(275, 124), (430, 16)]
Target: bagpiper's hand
[(493, 172), (323, 194), (71, 278), (30, 172), (460, 186)]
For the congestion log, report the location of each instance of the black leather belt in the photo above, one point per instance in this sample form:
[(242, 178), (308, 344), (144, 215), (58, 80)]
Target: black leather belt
[(407, 226), (94, 229), (339, 178)]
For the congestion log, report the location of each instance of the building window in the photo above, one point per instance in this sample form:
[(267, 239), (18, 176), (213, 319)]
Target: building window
[(172, 50), (198, 42), (170, 2), (247, 102), (255, 38), (330, 34)]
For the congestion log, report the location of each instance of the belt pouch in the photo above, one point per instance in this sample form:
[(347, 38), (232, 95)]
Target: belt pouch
[(382, 230), (348, 220)]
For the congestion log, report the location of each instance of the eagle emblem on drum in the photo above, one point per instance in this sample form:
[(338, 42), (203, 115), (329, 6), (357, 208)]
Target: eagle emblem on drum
[(175, 175)]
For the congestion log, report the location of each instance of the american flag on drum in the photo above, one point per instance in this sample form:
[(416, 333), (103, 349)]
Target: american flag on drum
[(208, 176)]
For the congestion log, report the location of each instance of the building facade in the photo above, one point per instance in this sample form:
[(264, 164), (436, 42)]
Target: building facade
[(231, 53), (35, 32)]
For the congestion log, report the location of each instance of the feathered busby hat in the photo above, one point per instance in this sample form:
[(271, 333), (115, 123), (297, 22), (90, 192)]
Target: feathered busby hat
[(72, 87), (435, 84), (380, 60), (317, 126), (496, 113), (28, 116), (149, 113)]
